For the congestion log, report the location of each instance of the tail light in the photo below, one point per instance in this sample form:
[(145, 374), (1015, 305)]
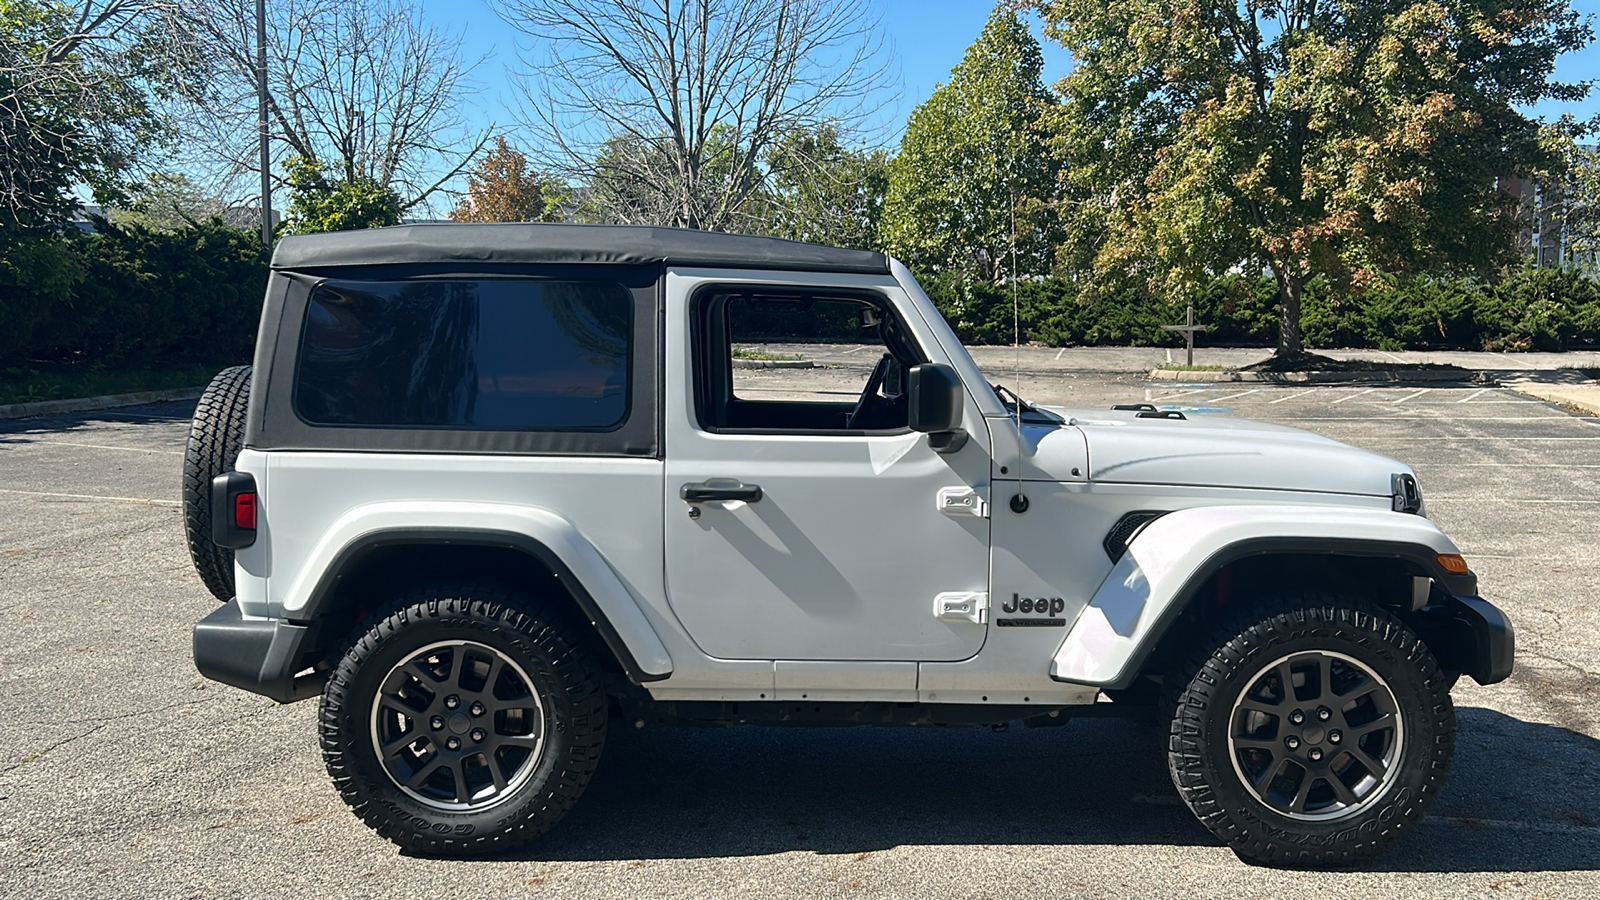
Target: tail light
[(235, 509)]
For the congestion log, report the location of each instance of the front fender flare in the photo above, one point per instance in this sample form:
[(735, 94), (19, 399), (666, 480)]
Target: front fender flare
[(595, 586), (1169, 560)]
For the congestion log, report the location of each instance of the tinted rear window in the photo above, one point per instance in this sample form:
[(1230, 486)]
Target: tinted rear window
[(484, 354)]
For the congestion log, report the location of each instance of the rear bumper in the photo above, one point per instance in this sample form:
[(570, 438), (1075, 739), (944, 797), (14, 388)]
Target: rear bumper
[(259, 655), (1469, 635)]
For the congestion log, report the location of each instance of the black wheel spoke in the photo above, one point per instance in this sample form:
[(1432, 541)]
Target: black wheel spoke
[(454, 724), (1310, 731)]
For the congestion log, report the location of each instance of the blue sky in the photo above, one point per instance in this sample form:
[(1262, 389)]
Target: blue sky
[(928, 38)]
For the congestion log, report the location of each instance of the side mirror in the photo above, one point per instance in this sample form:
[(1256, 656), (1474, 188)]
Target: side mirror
[(934, 398)]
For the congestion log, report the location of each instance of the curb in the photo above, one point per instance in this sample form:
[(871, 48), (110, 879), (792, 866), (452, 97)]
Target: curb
[(1391, 375), (1584, 399), (774, 364), (82, 404)]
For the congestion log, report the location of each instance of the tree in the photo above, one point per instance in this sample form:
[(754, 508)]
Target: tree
[(824, 193), (667, 111), (318, 203), (974, 169), (1340, 139), (167, 201), (503, 188), (80, 84), (366, 89)]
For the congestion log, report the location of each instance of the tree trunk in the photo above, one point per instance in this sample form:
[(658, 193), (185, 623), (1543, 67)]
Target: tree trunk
[(1290, 288)]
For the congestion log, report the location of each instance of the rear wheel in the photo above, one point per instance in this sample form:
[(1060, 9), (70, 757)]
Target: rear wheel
[(465, 721), (1313, 735), (216, 434)]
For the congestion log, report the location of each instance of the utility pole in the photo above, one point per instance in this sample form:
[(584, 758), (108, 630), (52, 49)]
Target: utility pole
[(261, 124)]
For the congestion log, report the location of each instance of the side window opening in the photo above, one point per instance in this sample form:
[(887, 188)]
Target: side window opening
[(803, 361)]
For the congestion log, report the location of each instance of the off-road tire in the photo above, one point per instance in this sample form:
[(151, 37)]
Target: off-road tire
[(1205, 766), (558, 669), (215, 435)]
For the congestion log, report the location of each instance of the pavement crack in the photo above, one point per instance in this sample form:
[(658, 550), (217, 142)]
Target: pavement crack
[(106, 720), (1560, 662), (41, 754)]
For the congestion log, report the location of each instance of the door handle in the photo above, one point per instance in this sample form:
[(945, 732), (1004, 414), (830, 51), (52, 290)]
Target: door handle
[(705, 492)]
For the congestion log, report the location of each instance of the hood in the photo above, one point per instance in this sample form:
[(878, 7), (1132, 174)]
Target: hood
[(1204, 451)]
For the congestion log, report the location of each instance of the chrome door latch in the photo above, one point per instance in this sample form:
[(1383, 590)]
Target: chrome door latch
[(970, 606), (962, 501)]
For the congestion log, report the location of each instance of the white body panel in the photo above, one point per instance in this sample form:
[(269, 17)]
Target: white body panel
[(843, 555), (1162, 558)]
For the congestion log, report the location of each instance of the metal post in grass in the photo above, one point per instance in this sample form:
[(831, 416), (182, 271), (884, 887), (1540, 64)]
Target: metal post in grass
[(1187, 329)]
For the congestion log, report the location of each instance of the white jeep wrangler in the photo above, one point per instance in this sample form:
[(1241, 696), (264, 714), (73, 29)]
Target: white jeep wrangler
[(489, 487)]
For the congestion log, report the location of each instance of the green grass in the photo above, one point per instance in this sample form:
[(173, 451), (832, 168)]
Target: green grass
[(749, 353), (65, 381)]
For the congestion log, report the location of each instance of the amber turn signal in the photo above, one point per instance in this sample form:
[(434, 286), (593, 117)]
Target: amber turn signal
[(1452, 562)]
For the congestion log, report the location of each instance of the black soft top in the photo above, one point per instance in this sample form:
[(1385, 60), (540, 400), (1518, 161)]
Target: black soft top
[(535, 243)]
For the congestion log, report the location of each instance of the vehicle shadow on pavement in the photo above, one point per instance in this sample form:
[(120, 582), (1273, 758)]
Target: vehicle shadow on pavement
[(18, 431), (1521, 797)]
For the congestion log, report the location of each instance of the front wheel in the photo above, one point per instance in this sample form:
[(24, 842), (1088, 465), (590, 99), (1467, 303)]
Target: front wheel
[(1312, 736), (465, 721)]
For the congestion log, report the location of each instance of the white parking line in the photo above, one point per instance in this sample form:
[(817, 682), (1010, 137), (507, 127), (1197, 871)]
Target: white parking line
[(1410, 396), (1231, 396), (93, 497), (1476, 395), (3, 445), (1355, 395), (1292, 396), (1169, 396), (1059, 352)]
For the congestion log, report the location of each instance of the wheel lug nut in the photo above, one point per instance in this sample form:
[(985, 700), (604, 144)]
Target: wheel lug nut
[(1293, 743), (1297, 717), (478, 735), (437, 722), (477, 709), (1335, 737), (1315, 754), (1324, 713), (452, 701), (453, 743)]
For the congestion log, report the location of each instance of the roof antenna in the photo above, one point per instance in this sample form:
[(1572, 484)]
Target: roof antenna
[(1019, 501)]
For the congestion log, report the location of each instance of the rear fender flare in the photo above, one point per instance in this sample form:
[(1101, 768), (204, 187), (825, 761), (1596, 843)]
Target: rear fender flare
[(552, 539), (1169, 560)]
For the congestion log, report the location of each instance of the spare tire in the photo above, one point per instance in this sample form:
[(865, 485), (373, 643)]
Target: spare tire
[(215, 435)]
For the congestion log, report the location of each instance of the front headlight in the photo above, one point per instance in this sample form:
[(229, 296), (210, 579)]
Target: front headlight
[(1407, 496)]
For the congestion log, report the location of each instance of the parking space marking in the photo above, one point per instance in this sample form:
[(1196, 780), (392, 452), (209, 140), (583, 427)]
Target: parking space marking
[(1292, 396), (1170, 396), (92, 497), (1475, 396), (1240, 394), (1411, 396), (94, 446), (1355, 395)]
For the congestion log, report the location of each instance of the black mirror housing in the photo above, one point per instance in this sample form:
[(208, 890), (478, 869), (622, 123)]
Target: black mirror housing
[(934, 396)]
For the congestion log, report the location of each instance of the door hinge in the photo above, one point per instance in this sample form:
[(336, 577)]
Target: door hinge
[(971, 606), (962, 501)]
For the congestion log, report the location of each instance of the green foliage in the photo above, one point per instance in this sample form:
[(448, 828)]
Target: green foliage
[(1530, 309), (320, 204), (973, 165), (823, 192), (79, 101), (168, 201), (1335, 140), (129, 295)]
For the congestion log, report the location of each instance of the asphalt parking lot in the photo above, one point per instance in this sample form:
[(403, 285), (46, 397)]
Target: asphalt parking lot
[(124, 773)]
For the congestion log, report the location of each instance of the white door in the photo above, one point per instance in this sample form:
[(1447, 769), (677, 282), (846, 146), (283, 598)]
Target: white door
[(844, 552)]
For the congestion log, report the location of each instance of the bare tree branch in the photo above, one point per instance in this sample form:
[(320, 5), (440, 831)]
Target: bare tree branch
[(667, 109)]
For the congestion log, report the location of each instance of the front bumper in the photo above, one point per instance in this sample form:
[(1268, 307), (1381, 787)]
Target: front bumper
[(260, 655), (1469, 635)]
